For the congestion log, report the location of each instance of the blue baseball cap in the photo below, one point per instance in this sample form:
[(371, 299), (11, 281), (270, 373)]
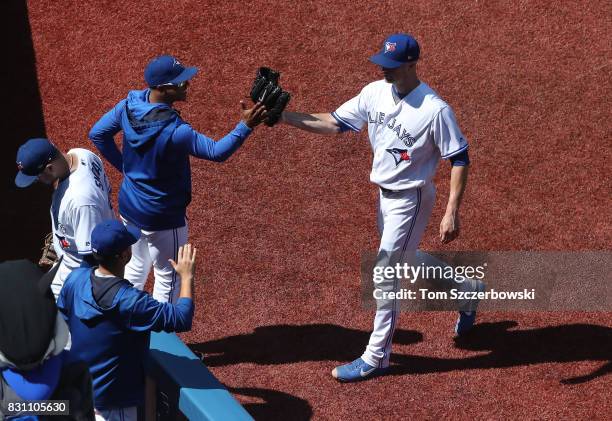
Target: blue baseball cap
[(397, 49), (165, 70), (111, 237), (32, 158)]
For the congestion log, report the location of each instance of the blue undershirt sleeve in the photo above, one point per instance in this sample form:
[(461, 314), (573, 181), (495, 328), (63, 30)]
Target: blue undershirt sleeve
[(343, 126), (460, 160), (103, 132), (196, 144)]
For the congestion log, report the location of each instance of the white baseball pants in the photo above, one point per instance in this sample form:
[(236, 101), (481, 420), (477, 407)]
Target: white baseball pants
[(402, 219), (60, 277), (155, 248)]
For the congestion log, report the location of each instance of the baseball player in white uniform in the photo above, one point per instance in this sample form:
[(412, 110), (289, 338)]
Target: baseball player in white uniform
[(80, 201), (410, 128)]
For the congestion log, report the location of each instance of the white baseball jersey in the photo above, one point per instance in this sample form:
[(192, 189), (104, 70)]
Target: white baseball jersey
[(408, 137), (79, 203)]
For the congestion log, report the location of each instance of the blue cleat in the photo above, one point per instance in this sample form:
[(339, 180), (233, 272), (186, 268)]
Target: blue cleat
[(357, 370), (465, 322)]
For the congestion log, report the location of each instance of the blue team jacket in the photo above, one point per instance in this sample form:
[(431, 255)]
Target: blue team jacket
[(157, 143), (113, 341)]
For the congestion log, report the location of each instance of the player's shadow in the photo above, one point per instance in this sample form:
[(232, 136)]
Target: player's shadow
[(282, 344), (262, 404), (511, 348), (24, 212), (266, 404)]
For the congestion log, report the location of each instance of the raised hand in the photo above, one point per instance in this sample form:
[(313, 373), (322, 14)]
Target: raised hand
[(185, 264), (253, 116)]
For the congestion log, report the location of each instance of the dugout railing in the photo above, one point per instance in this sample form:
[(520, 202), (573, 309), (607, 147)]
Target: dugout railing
[(180, 386)]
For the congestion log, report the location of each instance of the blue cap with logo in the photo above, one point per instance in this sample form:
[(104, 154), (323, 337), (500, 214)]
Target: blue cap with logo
[(167, 70), (397, 49), (32, 158), (111, 237)]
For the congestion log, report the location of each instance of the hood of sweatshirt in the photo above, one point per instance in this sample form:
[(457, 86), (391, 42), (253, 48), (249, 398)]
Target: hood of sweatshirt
[(144, 121), (86, 307)]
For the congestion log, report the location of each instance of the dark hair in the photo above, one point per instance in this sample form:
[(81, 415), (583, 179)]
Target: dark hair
[(106, 261)]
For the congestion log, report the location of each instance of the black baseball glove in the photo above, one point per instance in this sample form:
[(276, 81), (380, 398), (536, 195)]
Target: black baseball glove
[(266, 89)]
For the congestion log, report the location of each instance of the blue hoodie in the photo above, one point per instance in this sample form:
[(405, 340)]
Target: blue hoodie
[(110, 323), (157, 143)]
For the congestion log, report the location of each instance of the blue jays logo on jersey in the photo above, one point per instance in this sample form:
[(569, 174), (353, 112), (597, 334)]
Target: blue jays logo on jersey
[(63, 242), (399, 155), (390, 47)]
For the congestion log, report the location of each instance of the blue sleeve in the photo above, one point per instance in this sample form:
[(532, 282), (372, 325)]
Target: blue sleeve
[(141, 312), (196, 144), (66, 295), (103, 132), (460, 160)]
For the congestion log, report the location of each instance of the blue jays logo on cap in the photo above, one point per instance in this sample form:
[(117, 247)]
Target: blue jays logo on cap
[(397, 50), (390, 46)]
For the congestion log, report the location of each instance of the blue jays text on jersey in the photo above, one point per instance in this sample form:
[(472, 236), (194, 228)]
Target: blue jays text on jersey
[(402, 134)]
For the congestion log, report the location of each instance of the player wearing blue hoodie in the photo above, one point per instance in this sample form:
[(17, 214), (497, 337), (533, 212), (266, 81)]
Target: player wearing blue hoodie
[(110, 321), (156, 188)]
